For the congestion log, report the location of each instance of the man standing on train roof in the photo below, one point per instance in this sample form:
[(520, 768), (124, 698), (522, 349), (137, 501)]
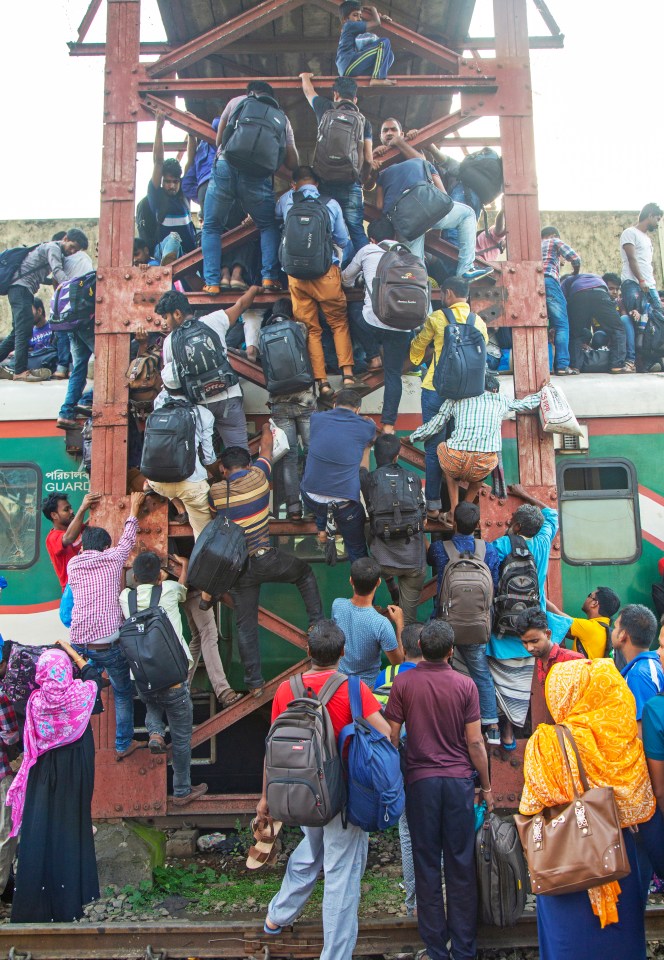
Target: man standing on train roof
[(639, 290)]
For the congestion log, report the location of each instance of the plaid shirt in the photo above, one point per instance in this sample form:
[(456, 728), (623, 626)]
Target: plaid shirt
[(553, 249), (477, 421), (94, 578), (8, 734)]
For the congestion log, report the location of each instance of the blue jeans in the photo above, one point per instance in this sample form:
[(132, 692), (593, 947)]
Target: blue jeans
[(63, 350), (351, 200), (117, 668), (474, 656), (170, 244), (341, 852), (20, 301), (556, 308), (256, 194), (361, 333), (630, 336), (350, 520), (395, 344), (82, 343), (431, 404), (374, 59), (634, 298), (176, 703), (464, 220), (295, 420), (462, 194)]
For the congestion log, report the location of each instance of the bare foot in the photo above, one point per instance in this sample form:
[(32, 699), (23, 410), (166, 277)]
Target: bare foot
[(388, 428), (375, 82)]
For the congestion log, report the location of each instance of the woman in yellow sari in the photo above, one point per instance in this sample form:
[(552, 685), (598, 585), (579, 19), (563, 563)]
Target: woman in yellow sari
[(594, 702)]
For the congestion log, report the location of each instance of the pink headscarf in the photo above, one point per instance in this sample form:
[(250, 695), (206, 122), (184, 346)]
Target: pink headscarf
[(57, 713)]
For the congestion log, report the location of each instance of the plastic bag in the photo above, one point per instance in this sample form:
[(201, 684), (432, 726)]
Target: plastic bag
[(281, 446), (556, 415)]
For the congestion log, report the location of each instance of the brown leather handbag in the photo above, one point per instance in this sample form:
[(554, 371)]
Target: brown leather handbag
[(578, 845)]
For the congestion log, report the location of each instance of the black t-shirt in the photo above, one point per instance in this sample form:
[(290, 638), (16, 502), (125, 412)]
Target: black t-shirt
[(321, 105)]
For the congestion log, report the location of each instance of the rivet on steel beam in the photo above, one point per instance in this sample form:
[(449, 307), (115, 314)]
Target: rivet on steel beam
[(553, 495), (159, 761), (97, 323), (166, 273), (127, 276), (146, 806), (100, 299), (118, 807), (148, 280), (142, 771), (157, 529), (102, 189), (108, 70), (515, 316), (130, 189), (134, 69), (121, 504), (543, 315), (137, 806), (480, 103), (148, 319), (539, 269), (512, 270), (489, 523), (135, 111), (463, 63), (125, 323), (100, 276), (124, 413), (157, 804)]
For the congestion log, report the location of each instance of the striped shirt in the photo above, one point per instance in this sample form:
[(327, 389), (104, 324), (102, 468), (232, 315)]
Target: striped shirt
[(8, 734), (248, 502), (477, 421), (553, 249)]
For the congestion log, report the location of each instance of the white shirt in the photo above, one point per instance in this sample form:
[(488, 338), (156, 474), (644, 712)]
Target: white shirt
[(77, 264), (172, 595), (642, 252), (204, 434), (366, 261), (219, 322)]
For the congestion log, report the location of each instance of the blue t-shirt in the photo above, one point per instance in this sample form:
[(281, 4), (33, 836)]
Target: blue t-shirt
[(347, 51), (338, 439), (397, 178), (367, 633), (173, 215), (653, 728), (644, 677)]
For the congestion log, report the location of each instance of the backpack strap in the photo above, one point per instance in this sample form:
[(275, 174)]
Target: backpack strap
[(132, 601), (155, 595), (297, 686), (392, 671), (355, 697), (451, 550), (330, 687), (470, 320), (480, 550)]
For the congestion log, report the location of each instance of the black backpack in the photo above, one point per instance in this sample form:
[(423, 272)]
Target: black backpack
[(461, 367), (148, 223), (254, 140), (306, 243), (283, 348), (10, 261), (169, 442), (483, 173), (518, 587), (400, 295), (653, 337), (502, 872), (19, 679), (200, 360), (395, 503), (151, 646), (339, 152)]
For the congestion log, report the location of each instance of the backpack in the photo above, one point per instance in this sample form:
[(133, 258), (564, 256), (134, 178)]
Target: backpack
[(73, 303), (518, 587), (86, 442), (400, 295), (147, 224), (608, 648), (502, 873), (382, 693), (303, 773), (200, 360), (483, 173), (254, 140), (285, 358), (10, 261), (653, 337), (143, 378), (306, 243), (394, 503), (466, 594), (461, 367), (169, 443), (376, 796), (339, 151), (151, 646), (19, 679), (219, 556)]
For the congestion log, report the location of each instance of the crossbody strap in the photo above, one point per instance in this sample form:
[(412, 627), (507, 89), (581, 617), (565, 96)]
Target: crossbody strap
[(563, 732)]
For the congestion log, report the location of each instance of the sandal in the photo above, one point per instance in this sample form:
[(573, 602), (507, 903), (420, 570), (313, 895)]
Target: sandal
[(228, 698), (352, 382), (272, 931), (508, 746), (263, 852), (325, 391), (224, 285)]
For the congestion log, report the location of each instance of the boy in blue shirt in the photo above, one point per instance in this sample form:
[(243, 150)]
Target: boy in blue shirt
[(358, 53)]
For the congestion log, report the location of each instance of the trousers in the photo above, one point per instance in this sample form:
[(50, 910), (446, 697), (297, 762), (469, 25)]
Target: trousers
[(326, 293)]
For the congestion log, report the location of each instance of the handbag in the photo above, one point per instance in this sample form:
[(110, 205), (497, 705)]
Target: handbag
[(578, 845), (419, 207)]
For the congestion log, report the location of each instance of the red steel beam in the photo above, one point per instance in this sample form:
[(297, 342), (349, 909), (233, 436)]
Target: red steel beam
[(201, 87), (87, 20), (188, 122), (434, 131), (78, 49)]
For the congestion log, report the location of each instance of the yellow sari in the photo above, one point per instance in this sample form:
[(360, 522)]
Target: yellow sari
[(592, 699)]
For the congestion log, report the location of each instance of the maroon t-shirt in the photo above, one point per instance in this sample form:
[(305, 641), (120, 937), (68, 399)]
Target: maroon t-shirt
[(435, 702)]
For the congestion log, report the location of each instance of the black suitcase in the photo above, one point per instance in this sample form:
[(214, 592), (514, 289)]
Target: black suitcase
[(218, 558)]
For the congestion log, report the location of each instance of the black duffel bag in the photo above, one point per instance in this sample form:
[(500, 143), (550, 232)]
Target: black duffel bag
[(219, 556), (419, 207), (596, 360)]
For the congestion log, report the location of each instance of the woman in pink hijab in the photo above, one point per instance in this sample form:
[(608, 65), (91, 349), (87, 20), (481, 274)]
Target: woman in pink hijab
[(51, 794)]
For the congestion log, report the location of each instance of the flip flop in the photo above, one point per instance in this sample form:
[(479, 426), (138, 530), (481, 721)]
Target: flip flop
[(239, 285), (272, 931), (263, 852), (228, 698), (325, 391)]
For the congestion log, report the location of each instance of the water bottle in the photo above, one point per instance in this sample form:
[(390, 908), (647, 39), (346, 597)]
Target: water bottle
[(645, 313)]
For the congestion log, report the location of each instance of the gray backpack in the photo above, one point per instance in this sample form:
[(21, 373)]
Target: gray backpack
[(502, 874), (400, 295), (339, 153), (303, 772), (466, 594)]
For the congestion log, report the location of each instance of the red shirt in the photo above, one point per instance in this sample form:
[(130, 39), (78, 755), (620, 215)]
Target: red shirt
[(338, 706), (61, 555), (558, 655)]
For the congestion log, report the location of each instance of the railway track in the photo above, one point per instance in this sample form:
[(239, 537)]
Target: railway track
[(174, 940)]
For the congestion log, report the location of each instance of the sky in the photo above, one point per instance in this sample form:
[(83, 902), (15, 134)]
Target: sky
[(599, 143)]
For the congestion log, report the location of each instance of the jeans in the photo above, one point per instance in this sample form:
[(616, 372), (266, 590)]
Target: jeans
[(350, 198), (205, 641), (461, 217), (117, 668), (461, 194), (595, 305), (20, 300), (256, 194), (474, 656), (350, 519), (230, 421), (407, 868), (170, 244), (374, 59), (556, 308), (630, 339), (441, 818), (275, 566), (410, 583), (395, 344), (361, 333), (634, 298), (431, 404), (82, 343), (341, 852), (176, 703), (63, 350), (295, 420)]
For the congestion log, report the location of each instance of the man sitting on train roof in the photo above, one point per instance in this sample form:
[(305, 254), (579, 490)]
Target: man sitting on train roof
[(360, 52), (591, 634), (42, 352)]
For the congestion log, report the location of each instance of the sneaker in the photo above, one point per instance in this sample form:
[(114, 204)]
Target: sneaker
[(472, 275), (6, 373), (169, 258), (213, 289), (493, 736), (655, 368), (156, 743), (64, 423), (33, 376), (193, 794)]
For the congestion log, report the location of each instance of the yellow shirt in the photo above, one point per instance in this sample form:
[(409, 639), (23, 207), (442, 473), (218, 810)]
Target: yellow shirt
[(434, 330), (591, 635)]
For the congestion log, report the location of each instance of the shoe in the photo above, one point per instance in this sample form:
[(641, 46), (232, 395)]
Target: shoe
[(60, 375), (6, 373), (169, 258), (212, 289), (193, 794), (620, 369), (64, 423), (85, 409), (470, 276), (133, 746), (655, 368), (257, 692), (271, 286), (493, 736), (272, 931), (228, 698), (205, 605), (33, 376), (156, 743), (376, 82), (239, 285)]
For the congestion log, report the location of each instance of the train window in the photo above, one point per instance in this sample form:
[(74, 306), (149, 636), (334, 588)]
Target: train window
[(599, 512), (20, 486)]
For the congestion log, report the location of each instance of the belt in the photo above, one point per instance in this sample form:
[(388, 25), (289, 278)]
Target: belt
[(99, 646)]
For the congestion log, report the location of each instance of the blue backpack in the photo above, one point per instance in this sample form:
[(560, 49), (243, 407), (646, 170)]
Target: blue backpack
[(375, 786)]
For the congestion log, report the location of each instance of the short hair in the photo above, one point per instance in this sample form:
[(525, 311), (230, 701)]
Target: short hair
[(39, 305), (260, 86), (393, 120), (346, 87), (549, 232), (146, 567), (171, 301), (364, 574), (60, 235), (436, 639), (77, 236), (530, 518), (95, 538), (348, 398), (466, 517), (140, 244), (410, 639), (50, 503), (608, 600), (386, 448), (639, 624), (282, 307), (457, 285), (531, 619), (171, 167), (235, 457), (650, 210), (326, 643), (348, 7), (611, 278), (304, 172), (379, 230), (491, 383)]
